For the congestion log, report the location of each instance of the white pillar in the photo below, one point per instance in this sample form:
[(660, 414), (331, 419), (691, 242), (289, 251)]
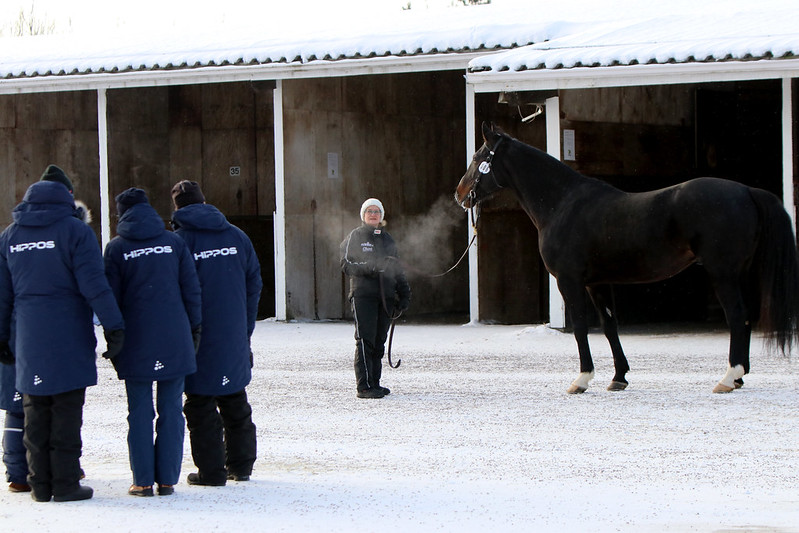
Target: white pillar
[(280, 206), (557, 309), (474, 286), (102, 140), (787, 151)]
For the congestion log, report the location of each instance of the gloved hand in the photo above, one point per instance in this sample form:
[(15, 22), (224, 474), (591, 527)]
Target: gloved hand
[(403, 304), (196, 333), (114, 340), (6, 355), (380, 265), (251, 358)]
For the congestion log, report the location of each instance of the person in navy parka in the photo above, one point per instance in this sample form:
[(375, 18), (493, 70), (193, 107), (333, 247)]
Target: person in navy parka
[(218, 414), (51, 280), (153, 278)]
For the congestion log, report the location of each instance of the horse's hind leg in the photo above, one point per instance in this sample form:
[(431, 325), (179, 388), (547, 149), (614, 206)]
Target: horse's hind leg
[(602, 297), (732, 301)]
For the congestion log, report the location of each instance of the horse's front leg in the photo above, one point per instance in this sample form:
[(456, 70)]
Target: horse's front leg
[(740, 337), (602, 297), (574, 297)]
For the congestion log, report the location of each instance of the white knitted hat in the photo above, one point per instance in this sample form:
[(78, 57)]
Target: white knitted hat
[(375, 202)]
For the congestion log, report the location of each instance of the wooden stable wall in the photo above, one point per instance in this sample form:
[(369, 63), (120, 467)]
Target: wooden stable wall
[(39, 129), (220, 135), (395, 137), (399, 138)]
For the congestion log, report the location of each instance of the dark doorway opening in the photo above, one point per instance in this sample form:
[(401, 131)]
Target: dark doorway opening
[(260, 230)]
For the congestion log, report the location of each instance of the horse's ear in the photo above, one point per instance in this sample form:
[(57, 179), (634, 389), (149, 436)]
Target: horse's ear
[(490, 134)]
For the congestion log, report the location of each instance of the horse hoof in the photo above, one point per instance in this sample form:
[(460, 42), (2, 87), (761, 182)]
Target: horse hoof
[(617, 386), (575, 389), (739, 383), (721, 388)]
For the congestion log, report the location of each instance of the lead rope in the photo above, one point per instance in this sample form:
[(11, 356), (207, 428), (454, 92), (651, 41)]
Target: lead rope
[(393, 323)]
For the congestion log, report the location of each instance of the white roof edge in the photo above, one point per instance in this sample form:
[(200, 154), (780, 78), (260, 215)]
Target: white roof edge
[(234, 73), (632, 75)]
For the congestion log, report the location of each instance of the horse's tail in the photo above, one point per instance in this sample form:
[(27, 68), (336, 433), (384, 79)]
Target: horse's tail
[(775, 269)]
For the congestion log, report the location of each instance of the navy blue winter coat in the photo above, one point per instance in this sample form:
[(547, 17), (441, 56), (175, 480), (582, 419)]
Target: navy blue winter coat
[(153, 278), (51, 276), (230, 276)]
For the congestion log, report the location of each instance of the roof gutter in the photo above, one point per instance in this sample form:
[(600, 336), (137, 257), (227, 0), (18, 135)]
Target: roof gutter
[(632, 75), (237, 73)]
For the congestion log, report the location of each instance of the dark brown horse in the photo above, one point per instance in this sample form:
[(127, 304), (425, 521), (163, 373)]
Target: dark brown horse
[(592, 235)]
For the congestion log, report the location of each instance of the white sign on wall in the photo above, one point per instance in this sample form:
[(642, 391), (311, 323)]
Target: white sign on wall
[(332, 165), (568, 146)]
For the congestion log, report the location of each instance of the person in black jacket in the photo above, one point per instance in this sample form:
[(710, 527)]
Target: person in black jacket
[(378, 289), (51, 280), (218, 414), (154, 281)]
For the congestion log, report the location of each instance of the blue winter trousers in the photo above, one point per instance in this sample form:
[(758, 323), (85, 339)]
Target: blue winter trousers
[(13, 448), (155, 460)]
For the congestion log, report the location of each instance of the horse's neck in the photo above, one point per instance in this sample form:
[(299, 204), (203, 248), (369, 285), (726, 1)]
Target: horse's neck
[(542, 183)]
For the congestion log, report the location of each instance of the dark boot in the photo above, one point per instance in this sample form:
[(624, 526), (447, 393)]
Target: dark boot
[(81, 493), (198, 479), (370, 393), (41, 494)]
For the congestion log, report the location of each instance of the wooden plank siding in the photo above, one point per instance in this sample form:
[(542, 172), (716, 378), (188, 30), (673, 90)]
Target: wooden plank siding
[(397, 137), (42, 128)]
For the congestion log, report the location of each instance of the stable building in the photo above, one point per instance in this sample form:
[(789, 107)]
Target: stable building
[(288, 135)]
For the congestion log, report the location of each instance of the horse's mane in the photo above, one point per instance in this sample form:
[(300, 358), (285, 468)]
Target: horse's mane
[(556, 165)]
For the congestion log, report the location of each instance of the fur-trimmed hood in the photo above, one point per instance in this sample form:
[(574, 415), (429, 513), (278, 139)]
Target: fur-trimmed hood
[(82, 212)]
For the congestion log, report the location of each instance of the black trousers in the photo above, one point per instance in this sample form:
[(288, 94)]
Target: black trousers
[(52, 441), (371, 330), (222, 434)]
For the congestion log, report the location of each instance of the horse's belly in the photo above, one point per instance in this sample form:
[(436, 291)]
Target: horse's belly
[(638, 268)]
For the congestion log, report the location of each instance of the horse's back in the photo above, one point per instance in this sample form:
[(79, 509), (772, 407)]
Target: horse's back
[(650, 236)]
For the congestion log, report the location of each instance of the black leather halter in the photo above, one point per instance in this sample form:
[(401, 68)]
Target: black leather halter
[(486, 169)]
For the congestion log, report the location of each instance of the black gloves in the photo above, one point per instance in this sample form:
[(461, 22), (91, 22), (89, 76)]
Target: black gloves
[(6, 355), (196, 333), (380, 265), (251, 359), (114, 340)]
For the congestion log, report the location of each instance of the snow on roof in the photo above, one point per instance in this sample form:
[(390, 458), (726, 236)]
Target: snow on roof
[(530, 35), (755, 31), (285, 42)]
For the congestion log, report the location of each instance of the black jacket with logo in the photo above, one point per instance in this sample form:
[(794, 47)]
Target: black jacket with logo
[(369, 254)]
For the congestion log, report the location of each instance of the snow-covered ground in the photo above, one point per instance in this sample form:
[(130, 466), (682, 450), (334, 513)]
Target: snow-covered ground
[(477, 435)]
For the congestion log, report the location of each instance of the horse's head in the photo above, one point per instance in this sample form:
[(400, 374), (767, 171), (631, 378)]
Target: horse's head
[(479, 182)]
